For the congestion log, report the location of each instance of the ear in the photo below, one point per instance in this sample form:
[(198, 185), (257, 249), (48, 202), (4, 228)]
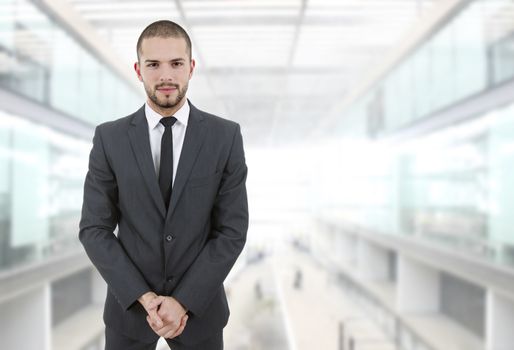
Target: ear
[(192, 68), (138, 71)]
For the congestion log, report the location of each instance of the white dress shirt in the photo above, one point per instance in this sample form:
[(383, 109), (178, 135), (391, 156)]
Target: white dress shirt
[(156, 129)]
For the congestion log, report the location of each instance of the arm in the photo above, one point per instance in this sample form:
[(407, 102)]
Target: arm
[(100, 214), (228, 236)]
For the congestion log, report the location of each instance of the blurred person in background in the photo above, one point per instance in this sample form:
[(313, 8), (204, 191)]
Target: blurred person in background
[(172, 179)]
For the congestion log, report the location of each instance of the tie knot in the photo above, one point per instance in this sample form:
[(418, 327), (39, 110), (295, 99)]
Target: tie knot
[(168, 121)]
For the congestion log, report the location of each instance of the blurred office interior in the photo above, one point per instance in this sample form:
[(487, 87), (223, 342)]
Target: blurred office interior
[(379, 136)]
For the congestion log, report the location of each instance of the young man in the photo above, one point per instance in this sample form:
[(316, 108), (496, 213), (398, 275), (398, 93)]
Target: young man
[(172, 179)]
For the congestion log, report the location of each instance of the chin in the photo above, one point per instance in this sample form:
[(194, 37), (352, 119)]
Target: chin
[(168, 105)]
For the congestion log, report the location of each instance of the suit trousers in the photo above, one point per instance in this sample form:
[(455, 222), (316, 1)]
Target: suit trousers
[(118, 341)]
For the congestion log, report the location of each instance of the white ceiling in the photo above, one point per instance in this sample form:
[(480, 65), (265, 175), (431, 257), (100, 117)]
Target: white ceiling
[(277, 67)]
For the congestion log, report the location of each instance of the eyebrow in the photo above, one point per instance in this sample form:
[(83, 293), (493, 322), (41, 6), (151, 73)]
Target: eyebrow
[(173, 60)]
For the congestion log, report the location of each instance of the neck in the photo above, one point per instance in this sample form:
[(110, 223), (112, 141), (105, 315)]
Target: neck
[(166, 112)]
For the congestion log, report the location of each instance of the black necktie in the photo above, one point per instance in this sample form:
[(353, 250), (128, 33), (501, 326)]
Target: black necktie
[(166, 165)]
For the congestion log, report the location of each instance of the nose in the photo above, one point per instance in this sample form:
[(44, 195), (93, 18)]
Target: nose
[(166, 74)]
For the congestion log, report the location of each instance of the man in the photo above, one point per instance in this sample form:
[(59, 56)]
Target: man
[(172, 179)]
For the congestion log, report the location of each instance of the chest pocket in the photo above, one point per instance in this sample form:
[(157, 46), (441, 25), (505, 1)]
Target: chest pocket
[(202, 192)]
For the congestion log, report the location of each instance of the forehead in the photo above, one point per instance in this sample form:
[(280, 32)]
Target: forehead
[(158, 47)]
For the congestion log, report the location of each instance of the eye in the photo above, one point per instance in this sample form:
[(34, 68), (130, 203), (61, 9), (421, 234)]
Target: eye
[(152, 65), (178, 64)]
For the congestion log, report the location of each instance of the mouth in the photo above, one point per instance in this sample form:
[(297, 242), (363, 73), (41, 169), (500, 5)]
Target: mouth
[(167, 89)]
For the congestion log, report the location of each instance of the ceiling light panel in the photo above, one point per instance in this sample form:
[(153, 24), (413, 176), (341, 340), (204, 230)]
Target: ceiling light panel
[(117, 15), (248, 85), (316, 84), (242, 12), (340, 46), (88, 7), (249, 4), (116, 10), (227, 11), (233, 46)]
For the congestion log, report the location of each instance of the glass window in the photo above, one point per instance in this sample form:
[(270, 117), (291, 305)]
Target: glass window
[(390, 102), (68, 167), (470, 52), (41, 180), (422, 81), (499, 34), (7, 11), (399, 86), (41, 61), (501, 164), (29, 191), (5, 185), (88, 103), (442, 65), (65, 74)]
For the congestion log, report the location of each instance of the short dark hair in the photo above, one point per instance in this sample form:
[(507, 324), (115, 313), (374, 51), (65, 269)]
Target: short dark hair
[(164, 29)]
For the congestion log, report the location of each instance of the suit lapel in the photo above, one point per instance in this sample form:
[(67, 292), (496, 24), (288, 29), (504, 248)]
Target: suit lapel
[(193, 140), (140, 142)]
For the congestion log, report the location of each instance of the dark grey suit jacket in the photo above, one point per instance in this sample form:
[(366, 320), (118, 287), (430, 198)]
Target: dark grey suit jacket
[(185, 252)]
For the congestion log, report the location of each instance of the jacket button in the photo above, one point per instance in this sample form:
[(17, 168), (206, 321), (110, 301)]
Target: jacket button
[(169, 279), (169, 238)]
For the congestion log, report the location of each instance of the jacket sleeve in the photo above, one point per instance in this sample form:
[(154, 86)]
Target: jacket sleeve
[(229, 218), (100, 214)]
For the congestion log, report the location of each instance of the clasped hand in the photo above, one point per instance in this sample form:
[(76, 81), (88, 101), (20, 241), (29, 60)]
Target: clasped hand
[(166, 316)]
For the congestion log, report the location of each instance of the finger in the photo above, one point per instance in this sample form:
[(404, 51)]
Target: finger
[(151, 324), (155, 302), (170, 329), (171, 334), (155, 318), (180, 329), (178, 332), (166, 330)]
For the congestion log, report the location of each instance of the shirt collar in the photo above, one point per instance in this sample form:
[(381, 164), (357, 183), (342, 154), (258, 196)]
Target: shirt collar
[(153, 118)]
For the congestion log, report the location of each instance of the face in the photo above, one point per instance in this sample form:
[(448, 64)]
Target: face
[(165, 69)]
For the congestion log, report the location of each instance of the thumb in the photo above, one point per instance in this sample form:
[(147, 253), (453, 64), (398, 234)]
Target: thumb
[(183, 320), (155, 302), (155, 317)]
